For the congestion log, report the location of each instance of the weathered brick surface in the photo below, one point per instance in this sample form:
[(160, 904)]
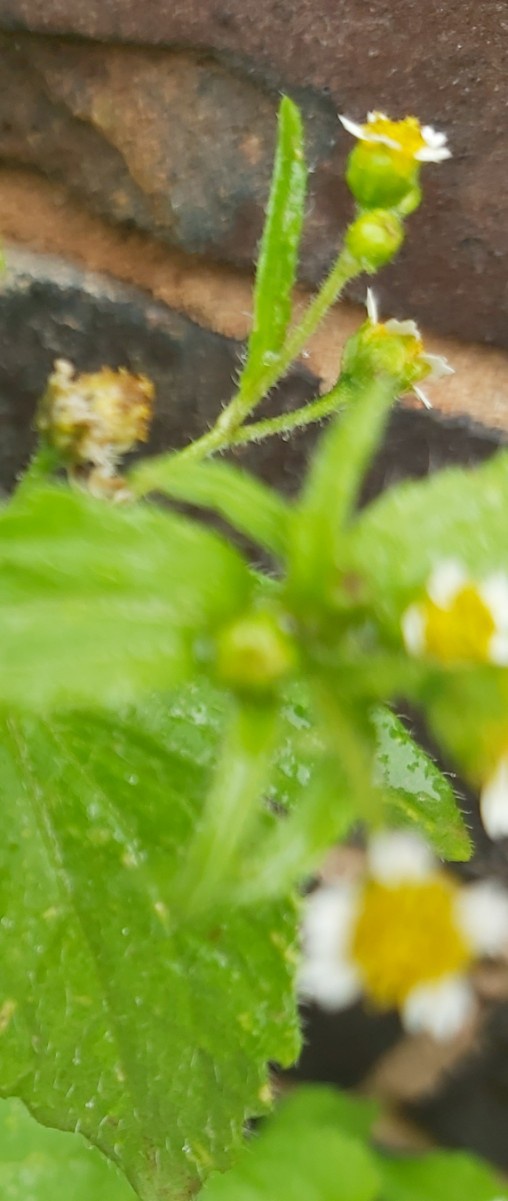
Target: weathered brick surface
[(172, 143), (186, 140)]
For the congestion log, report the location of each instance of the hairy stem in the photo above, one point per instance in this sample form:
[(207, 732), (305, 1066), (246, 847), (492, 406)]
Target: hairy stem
[(226, 430)]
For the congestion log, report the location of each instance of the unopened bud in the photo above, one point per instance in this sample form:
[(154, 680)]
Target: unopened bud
[(380, 177), (255, 653), (374, 238)]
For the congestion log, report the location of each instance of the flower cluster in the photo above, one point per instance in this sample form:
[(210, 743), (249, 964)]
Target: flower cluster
[(459, 619), (404, 934)]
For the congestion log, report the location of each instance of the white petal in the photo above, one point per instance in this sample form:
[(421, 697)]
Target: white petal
[(404, 328), (446, 580), (494, 591), (375, 115), (328, 919), (352, 127), (372, 312), (482, 912), (333, 986), (430, 154), (422, 396), (327, 974), (439, 366), (413, 630), (494, 802), (441, 1009), (397, 856), (433, 137), (498, 650), (383, 139)]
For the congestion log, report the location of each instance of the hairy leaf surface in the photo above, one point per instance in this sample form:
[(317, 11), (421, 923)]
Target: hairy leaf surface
[(100, 603), (149, 1035), (278, 254), (419, 793), (458, 514)]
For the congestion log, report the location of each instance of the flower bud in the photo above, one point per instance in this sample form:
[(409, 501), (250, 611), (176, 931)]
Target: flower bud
[(374, 351), (380, 177), (393, 348), (374, 238), (255, 653)]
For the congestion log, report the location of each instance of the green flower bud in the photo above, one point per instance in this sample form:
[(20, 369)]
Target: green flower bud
[(380, 177), (374, 238), (255, 653)]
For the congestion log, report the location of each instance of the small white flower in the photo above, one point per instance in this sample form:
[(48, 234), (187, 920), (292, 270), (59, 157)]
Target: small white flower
[(422, 143), (459, 619), (404, 934)]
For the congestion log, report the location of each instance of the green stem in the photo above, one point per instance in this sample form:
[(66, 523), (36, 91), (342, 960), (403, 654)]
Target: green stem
[(286, 423), (334, 481), (252, 391), (294, 849), (146, 476), (341, 793), (230, 808), (352, 749)]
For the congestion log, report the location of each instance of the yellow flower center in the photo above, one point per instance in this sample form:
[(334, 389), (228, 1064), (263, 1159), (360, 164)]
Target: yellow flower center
[(407, 134), (463, 631), (405, 936)]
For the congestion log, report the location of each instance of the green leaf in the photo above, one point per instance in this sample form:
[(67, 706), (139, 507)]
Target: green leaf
[(418, 793), (243, 501), (305, 1153), (440, 1176), (329, 1108), (333, 484), (278, 255), (458, 514), (102, 602), (37, 1164), (148, 1035)]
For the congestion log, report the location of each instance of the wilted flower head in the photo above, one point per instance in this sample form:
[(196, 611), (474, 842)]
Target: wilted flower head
[(404, 934), (421, 143), (459, 619), (93, 419)]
